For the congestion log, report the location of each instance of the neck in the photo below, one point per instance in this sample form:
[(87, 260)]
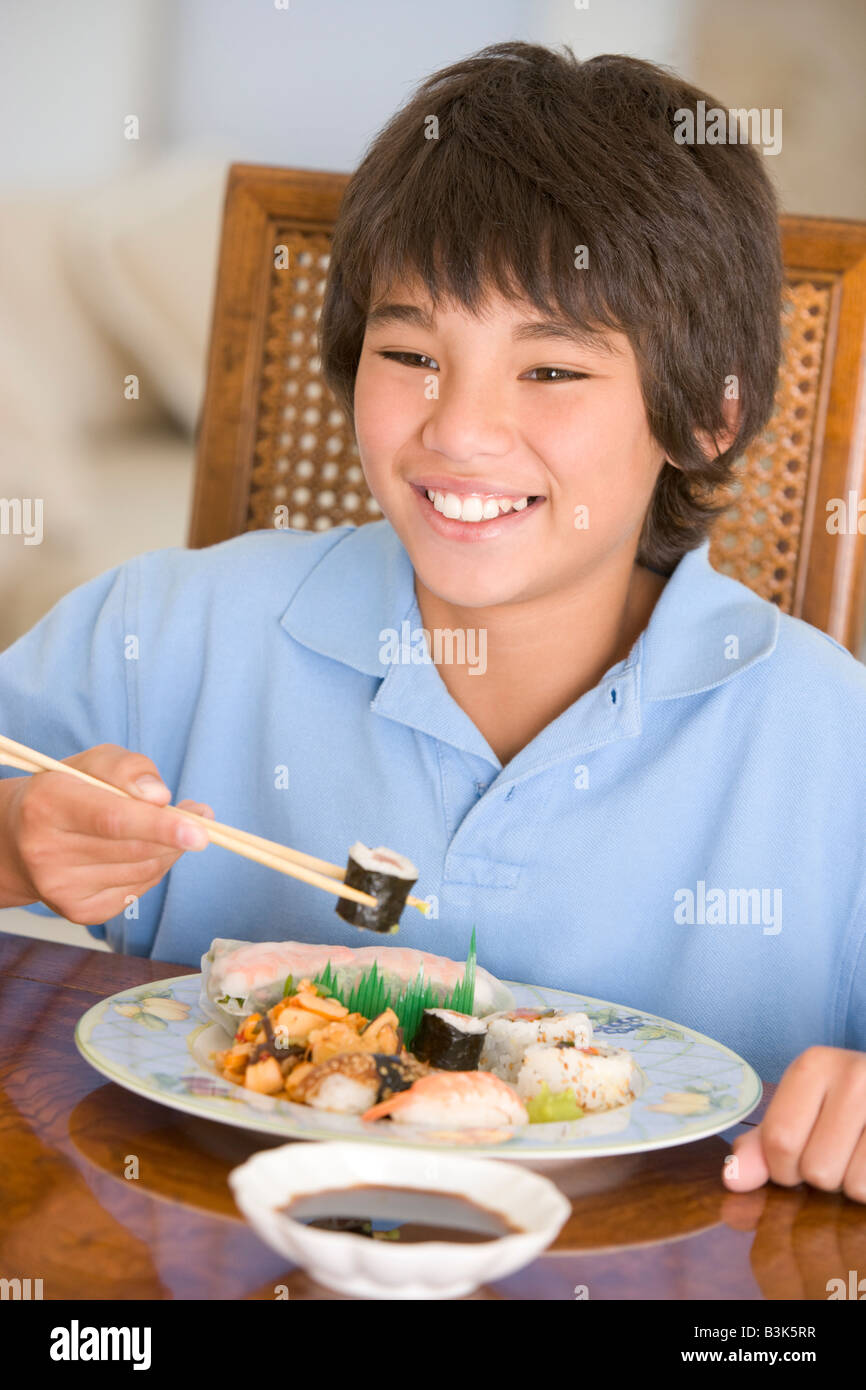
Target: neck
[(543, 653)]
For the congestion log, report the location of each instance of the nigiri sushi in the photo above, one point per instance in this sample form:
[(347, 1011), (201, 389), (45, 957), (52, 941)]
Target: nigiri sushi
[(352, 1082), (454, 1100)]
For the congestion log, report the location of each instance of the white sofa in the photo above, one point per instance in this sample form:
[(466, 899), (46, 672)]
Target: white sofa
[(96, 287)]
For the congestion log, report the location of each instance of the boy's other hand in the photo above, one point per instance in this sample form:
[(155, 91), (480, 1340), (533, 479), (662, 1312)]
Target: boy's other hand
[(814, 1129), (85, 852)]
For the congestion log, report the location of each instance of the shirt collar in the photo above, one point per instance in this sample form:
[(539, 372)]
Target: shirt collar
[(362, 585), (705, 629)]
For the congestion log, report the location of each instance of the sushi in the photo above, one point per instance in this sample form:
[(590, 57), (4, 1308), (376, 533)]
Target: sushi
[(454, 1100), (388, 876), (598, 1077), (449, 1040), (348, 1084), (352, 1082), (509, 1034)]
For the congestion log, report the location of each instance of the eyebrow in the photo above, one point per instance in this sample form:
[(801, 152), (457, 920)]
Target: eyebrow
[(526, 331)]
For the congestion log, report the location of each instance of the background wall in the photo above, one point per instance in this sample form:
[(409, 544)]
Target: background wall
[(108, 244)]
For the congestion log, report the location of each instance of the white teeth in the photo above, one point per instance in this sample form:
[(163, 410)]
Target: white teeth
[(474, 508)]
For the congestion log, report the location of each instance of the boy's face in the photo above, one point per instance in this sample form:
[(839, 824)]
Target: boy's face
[(488, 412)]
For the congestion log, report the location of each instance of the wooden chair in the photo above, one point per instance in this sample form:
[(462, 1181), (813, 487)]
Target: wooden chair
[(271, 436)]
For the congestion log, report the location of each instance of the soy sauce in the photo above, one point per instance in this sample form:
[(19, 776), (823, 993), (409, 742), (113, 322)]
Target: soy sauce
[(402, 1215)]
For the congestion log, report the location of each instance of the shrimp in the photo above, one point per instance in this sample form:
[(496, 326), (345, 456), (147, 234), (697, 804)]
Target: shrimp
[(454, 1099)]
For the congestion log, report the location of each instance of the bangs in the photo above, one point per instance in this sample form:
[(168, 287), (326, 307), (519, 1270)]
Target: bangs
[(516, 244)]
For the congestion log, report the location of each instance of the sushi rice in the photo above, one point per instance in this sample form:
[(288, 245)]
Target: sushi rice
[(598, 1077), (510, 1033)]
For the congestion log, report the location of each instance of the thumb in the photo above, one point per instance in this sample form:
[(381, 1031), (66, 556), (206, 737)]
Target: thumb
[(749, 1168), (200, 808)]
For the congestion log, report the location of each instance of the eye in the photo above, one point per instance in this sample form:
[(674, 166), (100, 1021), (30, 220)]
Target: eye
[(400, 356), (563, 374)]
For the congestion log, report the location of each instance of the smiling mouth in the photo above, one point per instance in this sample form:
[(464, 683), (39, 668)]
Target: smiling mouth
[(476, 509)]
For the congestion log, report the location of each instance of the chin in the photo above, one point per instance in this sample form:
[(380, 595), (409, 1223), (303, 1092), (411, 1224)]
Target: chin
[(468, 589)]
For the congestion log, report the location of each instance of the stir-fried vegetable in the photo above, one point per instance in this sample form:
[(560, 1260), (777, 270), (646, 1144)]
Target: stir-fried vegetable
[(273, 1051)]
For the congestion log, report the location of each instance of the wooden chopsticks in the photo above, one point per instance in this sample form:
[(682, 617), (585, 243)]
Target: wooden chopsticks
[(292, 862)]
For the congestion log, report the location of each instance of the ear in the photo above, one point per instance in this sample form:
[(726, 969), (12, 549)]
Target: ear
[(713, 445)]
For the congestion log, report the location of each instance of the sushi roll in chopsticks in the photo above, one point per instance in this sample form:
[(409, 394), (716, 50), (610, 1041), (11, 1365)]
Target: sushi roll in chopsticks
[(449, 1040), (387, 876)]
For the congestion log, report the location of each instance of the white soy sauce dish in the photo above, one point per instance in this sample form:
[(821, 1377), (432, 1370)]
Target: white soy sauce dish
[(365, 1267)]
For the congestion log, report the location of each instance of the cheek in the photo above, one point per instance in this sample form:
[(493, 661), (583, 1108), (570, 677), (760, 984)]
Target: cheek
[(380, 425), (604, 460)]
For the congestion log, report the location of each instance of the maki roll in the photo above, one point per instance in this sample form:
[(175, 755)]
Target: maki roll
[(387, 876), (509, 1034), (448, 1040), (598, 1077)]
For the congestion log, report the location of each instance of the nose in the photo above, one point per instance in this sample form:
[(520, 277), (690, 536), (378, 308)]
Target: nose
[(466, 422)]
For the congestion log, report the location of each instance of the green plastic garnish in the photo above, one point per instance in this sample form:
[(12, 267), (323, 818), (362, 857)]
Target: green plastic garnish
[(369, 995), (548, 1106)]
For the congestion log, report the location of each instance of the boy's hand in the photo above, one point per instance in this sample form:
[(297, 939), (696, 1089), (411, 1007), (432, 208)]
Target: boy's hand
[(83, 851), (814, 1129)]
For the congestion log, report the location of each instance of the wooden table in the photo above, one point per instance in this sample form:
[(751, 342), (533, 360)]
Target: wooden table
[(648, 1226)]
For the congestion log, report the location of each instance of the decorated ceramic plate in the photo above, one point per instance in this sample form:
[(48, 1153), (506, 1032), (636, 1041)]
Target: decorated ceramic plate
[(155, 1040)]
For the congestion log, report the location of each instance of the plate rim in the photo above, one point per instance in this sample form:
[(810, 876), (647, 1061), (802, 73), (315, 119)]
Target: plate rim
[(247, 1117)]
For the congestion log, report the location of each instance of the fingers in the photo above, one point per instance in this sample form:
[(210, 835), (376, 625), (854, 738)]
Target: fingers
[(201, 808), (750, 1169), (183, 836), (81, 849), (89, 812), (814, 1130), (854, 1182), (132, 772), (832, 1144), (791, 1115)]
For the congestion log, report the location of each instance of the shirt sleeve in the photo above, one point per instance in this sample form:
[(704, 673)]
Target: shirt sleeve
[(64, 685)]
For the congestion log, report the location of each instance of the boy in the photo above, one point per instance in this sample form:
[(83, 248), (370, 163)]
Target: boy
[(535, 299)]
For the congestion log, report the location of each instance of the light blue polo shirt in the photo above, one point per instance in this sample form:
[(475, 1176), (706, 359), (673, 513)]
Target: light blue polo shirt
[(686, 838)]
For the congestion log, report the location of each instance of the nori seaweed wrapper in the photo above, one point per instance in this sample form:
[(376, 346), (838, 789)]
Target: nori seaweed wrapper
[(446, 1047), (396, 1073), (390, 891)]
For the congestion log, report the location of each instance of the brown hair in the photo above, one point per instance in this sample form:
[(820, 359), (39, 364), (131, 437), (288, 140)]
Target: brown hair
[(537, 153)]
